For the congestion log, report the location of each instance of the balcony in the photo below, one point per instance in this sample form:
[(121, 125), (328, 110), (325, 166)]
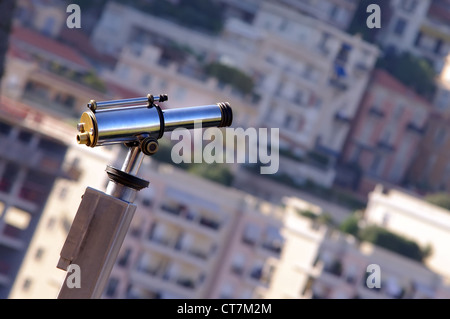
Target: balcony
[(386, 146), (5, 185), (158, 283), (157, 279), (414, 128), (33, 193), (334, 268), (259, 277), (11, 237), (4, 271), (338, 84), (376, 112), (342, 118), (191, 255), (206, 225), (272, 248)]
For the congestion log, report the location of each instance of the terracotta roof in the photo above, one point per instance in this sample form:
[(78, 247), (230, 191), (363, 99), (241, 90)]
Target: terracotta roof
[(80, 40), (120, 92), (48, 45), (383, 78)]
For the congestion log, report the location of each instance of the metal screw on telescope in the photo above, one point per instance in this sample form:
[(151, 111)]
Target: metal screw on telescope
[(103, 218)]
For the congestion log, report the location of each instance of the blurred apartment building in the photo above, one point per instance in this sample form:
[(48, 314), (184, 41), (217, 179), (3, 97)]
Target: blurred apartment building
[(414, 218), (38, 277), (47, 74), (429, 171), (182, 233), (385, 135), (192, 238), (186, 243), (32, 151), (6, 8), (338, 13), (419, 27), (322, 263), (309, 87)]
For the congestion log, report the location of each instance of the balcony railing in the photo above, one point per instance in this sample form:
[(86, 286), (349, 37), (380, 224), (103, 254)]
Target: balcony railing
[(375, 111), (4, 268), (188, 215), (414, 128), (191, 251), (276, 249), (385, 146)]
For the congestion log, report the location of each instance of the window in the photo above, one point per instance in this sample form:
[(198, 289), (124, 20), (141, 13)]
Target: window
[(440, 135), (9, 176), (251, 234), (63, 193), (123, 71), (5, 129), (123, 260), (355, 154), (226, 292), (39, 253), (51, 223), (27, 284), (146, 79), (409, 5), (376, 164), (25, 137), (17, 218), (112, 287), (238, 263), (400, 26), (180, 93)]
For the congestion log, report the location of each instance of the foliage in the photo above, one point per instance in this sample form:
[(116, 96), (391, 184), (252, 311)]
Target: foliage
[(414, 72), (216, 172), (197, 14), (399, 244), (350, 225), (92, 80), (439, 199), (230, 75)]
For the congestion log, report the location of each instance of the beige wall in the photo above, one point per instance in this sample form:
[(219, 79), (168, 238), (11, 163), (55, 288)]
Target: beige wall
[(39, 265)]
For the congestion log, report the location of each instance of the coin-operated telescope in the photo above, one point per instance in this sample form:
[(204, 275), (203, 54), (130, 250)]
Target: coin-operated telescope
[(103, 218)]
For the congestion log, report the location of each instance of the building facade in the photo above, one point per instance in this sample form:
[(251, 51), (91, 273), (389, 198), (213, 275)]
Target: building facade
[(32, 157), (414, 218), (309, 87), (420, 28), (385, 136)]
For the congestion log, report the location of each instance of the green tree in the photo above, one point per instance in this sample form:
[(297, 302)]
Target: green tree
[(414, 72), (439, 199), (216, 172), (350, 225), (396, 243), (230, 75), (197, 14)]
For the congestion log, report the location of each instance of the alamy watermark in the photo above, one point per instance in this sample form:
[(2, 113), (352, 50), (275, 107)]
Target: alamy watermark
[(74, 19), (234, 145), (374, 278), (73, 279), (374, 19)]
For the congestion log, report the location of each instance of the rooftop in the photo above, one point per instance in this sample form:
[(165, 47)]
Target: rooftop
[(48, 46), (386, 80)]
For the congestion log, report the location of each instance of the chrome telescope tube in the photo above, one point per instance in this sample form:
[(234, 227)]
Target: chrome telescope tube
[(122, 121)]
